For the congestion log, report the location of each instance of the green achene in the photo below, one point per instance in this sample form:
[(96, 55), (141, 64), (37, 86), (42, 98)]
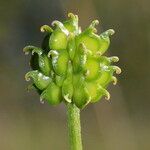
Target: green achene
[(70, 65)]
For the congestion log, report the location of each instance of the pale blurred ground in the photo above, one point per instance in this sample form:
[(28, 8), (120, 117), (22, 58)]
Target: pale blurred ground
[(122, 124)]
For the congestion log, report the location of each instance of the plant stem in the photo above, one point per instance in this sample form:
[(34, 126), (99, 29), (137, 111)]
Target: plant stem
[(73, 113)]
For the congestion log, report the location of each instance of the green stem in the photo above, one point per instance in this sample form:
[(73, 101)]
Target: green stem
[(74, 126)]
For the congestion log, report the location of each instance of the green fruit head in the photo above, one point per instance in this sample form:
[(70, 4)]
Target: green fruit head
[(70, 65)]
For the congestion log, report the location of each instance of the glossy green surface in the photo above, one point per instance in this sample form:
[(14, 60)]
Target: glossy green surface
[(54, 97), (70, 65)]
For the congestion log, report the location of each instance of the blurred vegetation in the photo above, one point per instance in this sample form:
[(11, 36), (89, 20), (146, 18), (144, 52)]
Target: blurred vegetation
[(122, 124)]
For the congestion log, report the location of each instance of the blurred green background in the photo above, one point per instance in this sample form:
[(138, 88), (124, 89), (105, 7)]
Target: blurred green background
[(122, 124)]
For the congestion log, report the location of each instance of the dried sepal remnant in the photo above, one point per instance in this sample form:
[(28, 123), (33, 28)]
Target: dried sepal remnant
[(70, 65)]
